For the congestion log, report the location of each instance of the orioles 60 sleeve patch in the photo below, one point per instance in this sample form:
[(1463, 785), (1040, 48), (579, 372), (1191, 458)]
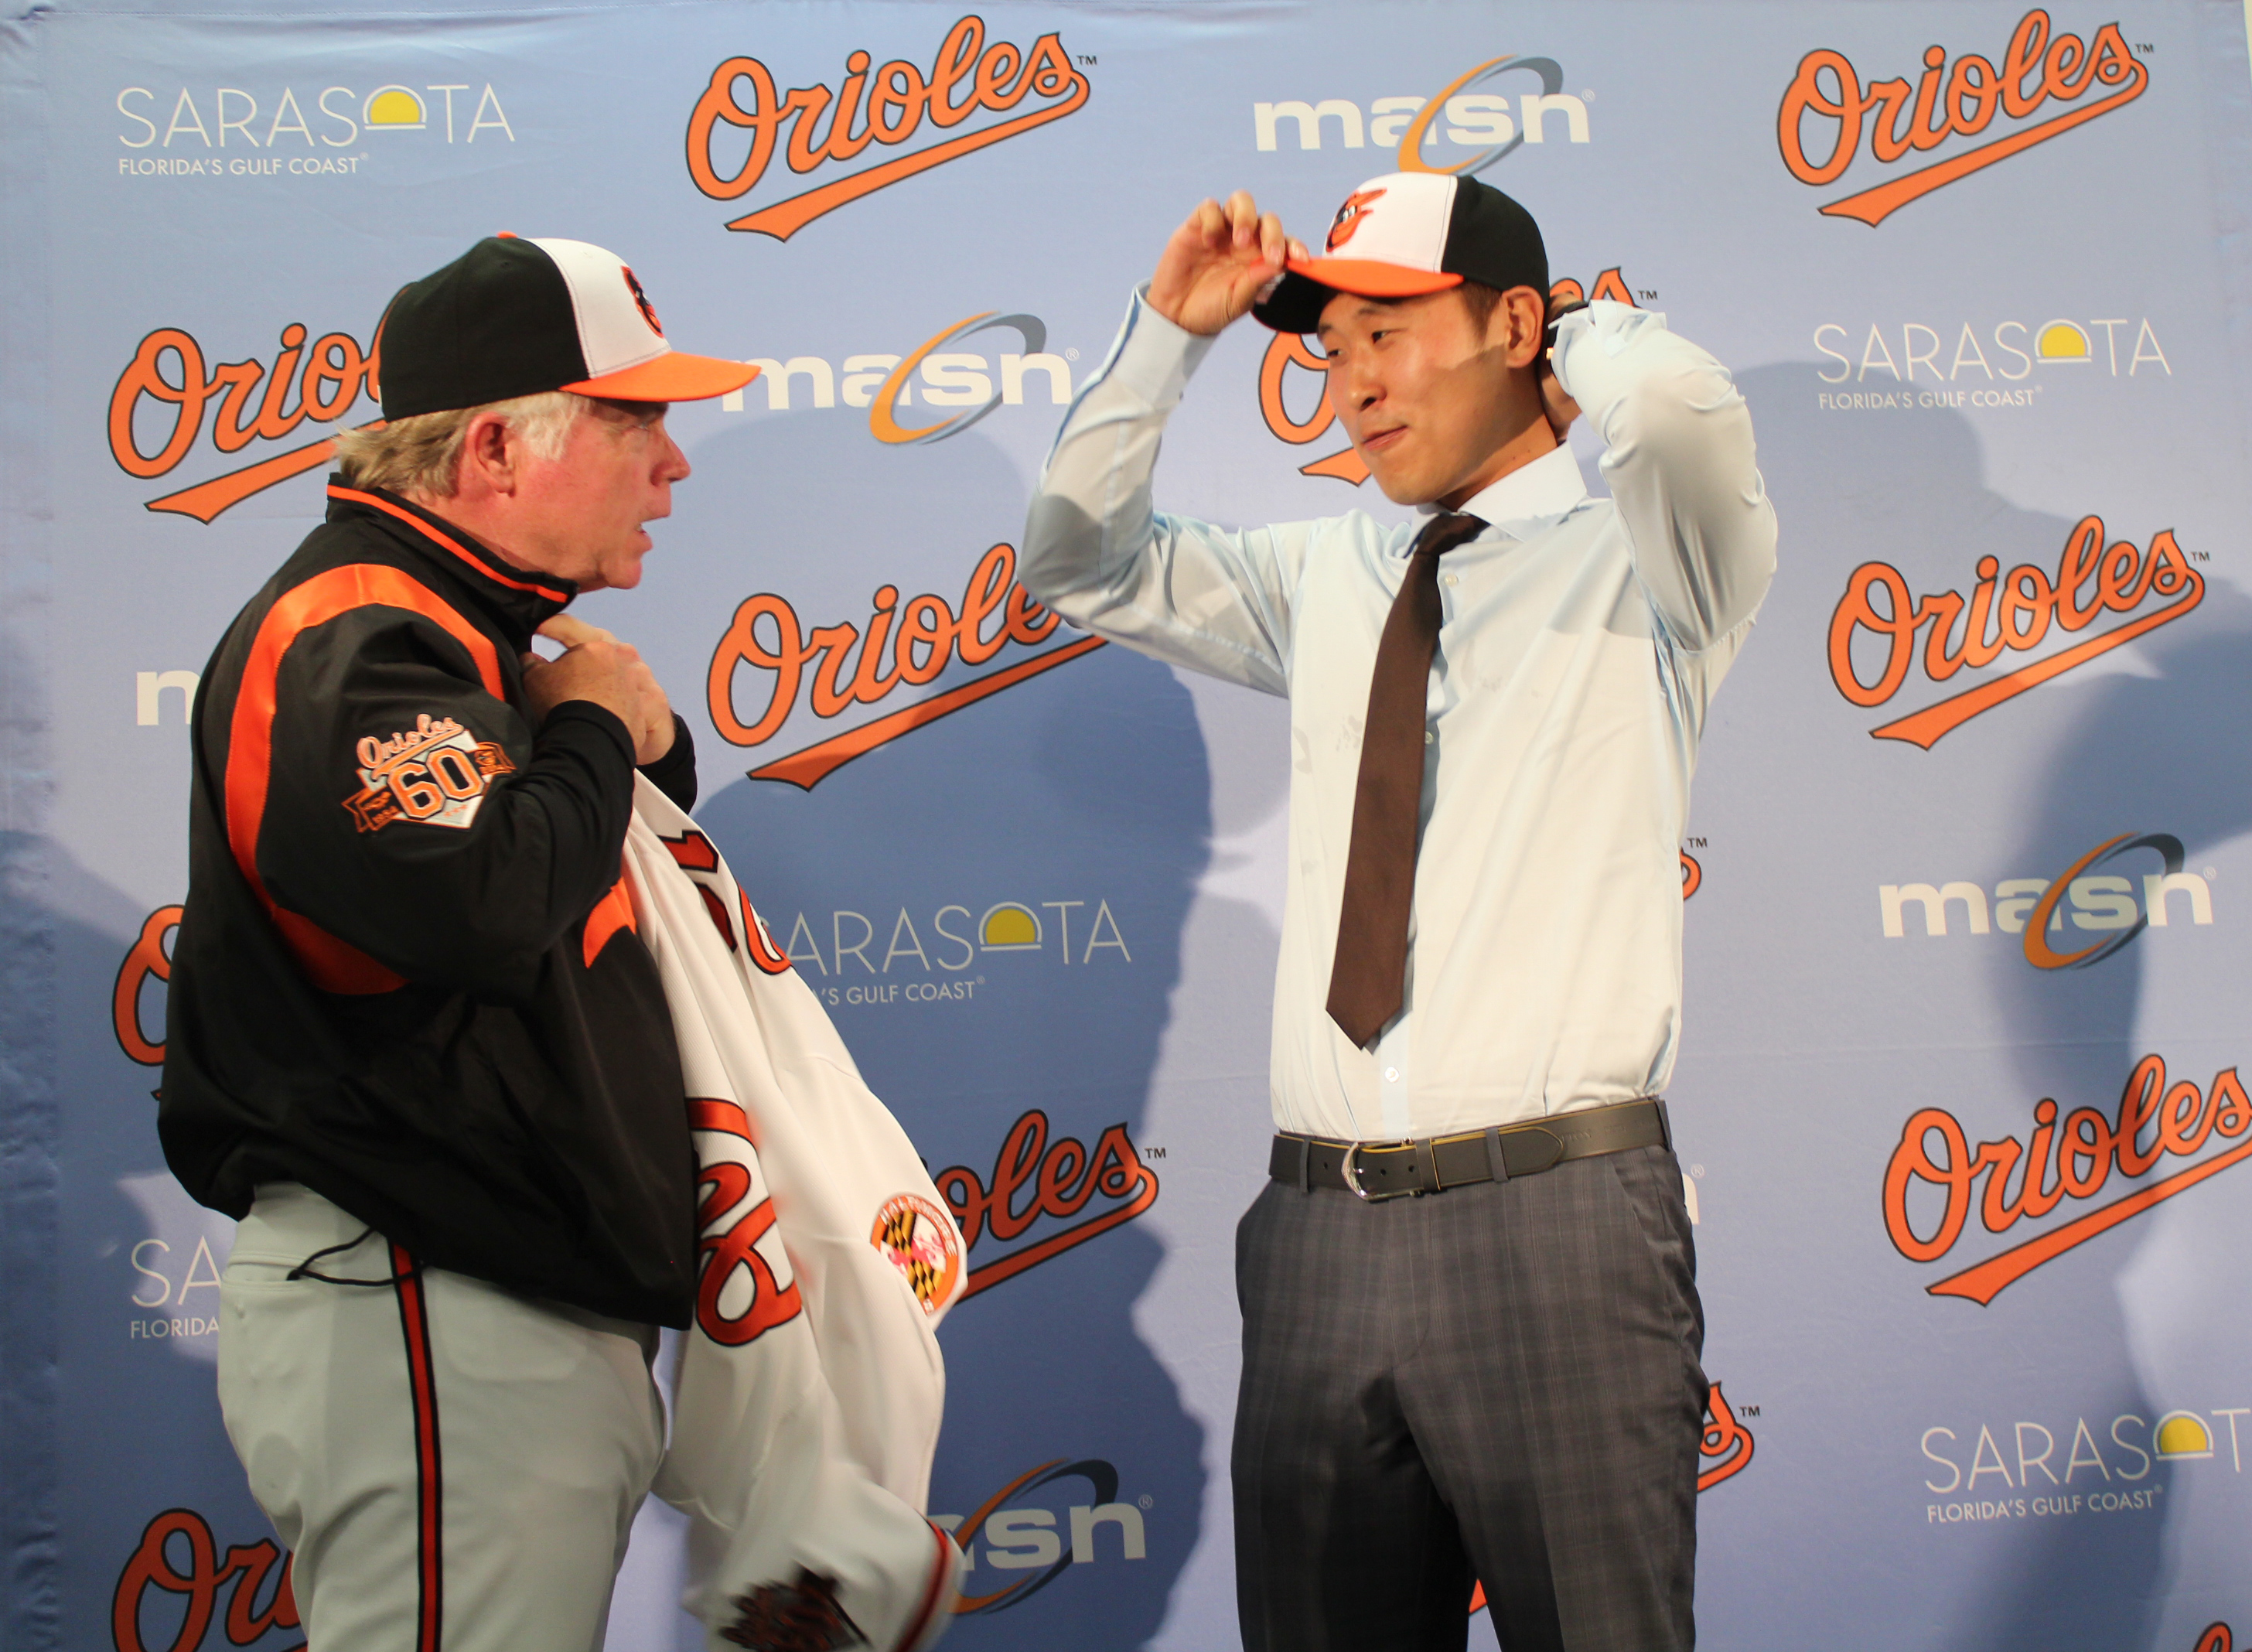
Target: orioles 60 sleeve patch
[(434, 775)]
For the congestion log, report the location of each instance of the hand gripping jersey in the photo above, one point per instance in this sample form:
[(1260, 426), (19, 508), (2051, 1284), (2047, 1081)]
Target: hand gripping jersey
[(807, 1405)]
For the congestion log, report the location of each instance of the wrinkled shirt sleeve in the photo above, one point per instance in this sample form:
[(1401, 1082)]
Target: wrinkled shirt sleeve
[(1683, 471), (1214, 600)]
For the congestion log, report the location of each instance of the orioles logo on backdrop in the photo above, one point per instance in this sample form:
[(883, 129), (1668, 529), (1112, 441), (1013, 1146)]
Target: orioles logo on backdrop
[(166, 395), (1287, 350), (1903, 122), (434, 774), (160, 1607), (905, 646), (2009, 614), (145, 961), (1026, 86), (1062, 1181), (1935, 1180)]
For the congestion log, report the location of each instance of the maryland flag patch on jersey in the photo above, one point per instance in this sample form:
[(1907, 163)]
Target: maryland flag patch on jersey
[(434, 775), (915, 1237)]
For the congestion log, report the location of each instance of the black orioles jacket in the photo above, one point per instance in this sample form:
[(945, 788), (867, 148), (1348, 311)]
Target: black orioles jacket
[(407, 974)]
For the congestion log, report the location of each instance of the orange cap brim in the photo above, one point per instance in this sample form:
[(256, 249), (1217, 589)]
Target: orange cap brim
[(1367, 278), (675, 376)]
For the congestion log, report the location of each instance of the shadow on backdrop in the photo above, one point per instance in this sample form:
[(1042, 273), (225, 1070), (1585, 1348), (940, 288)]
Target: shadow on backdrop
[(991, 908)]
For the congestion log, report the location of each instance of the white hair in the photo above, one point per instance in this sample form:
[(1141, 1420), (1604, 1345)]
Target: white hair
[(422, 453)]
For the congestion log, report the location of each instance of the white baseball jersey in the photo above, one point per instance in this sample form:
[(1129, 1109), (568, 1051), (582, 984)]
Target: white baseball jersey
[(807, 1405)]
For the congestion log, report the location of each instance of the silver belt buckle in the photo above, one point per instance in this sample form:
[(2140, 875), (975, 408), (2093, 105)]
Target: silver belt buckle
[(1352, 1177)]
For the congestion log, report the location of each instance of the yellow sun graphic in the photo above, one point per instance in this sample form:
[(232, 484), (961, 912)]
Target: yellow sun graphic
[(2063, 341), (392, 108), (2181, 1434), (1009, 927)]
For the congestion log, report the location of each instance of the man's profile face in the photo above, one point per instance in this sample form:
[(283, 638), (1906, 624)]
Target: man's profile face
[(588, 506), (1423, 391)]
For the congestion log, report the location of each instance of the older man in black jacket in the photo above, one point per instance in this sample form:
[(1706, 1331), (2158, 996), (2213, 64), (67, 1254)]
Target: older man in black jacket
[(414, 1044)]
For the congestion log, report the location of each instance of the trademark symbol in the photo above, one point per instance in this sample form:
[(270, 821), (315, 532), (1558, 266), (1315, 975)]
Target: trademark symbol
[(1153, 1153), (1586, 97), (2143, 48), (1647, 295), (1748, 1411), (2211, 876), (1697, 1170), (1071, 355), (2200, 555), (1695, 843), (1146, 1500), (1087, 62)]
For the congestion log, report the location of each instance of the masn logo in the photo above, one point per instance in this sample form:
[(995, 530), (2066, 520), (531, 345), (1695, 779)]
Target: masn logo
[(1490, 123), (905, 648), (1287, 350), (1935, 1180), (2101, 904), (1048, 1531), (285, 136), (953, 378), (1873, 628), (1960, 98), (1024, 87), (2005, 365), (168, 393)]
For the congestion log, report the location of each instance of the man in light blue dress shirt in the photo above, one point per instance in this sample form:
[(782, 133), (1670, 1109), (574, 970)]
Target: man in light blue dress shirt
[(1471, 1328)]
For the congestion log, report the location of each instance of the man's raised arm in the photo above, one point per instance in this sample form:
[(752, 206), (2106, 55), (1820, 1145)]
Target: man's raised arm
[(1679, 458), (1214, 599)]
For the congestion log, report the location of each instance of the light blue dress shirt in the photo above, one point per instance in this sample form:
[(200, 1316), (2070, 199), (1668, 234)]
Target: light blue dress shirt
[(1582, 643)]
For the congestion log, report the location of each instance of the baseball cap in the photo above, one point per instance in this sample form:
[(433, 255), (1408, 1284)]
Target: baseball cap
[(513, 317), (1407, 234)]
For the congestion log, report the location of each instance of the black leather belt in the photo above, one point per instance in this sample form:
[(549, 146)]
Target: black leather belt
[(1375, 1170)]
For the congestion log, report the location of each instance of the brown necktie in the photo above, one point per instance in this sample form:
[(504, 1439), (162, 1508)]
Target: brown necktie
[(1370, 972)]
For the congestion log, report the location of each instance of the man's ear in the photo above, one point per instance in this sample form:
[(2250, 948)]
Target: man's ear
[(489, 456), (1519, 325)]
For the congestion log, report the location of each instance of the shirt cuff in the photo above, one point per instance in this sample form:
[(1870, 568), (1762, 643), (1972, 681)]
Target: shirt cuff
[(1153, 357)]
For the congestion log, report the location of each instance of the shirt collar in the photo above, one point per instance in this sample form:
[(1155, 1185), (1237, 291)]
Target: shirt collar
[(1531, 495), (525, 599)]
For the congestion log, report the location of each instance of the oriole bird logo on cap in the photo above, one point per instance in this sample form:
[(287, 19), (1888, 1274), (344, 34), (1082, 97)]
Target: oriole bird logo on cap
[(1349, 216)]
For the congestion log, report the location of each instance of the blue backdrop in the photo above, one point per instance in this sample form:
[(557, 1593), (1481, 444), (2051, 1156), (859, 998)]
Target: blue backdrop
[(1973, 818)]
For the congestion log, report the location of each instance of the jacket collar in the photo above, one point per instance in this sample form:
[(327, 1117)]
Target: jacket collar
[(523, 599)]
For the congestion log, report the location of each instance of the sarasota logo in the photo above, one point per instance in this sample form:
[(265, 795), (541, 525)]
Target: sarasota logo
[(1038, 1183), (885, 106), (1935, 1179), (2003, 615), (167, 394), (1948, 100), (1287, 350), (910, 645)]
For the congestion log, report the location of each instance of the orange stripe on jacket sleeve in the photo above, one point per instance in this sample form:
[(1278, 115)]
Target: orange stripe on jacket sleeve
[(334, 965)]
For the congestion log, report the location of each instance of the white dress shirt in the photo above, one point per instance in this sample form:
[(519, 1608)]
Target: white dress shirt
[(1582, 642)]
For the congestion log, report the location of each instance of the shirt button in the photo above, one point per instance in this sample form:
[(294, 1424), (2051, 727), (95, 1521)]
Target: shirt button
[(1429, 737), (1453, 580), (1391, 1075)]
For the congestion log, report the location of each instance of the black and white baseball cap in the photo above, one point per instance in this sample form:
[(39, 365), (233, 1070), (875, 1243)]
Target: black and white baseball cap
[(514, 316), (1407, 233)]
